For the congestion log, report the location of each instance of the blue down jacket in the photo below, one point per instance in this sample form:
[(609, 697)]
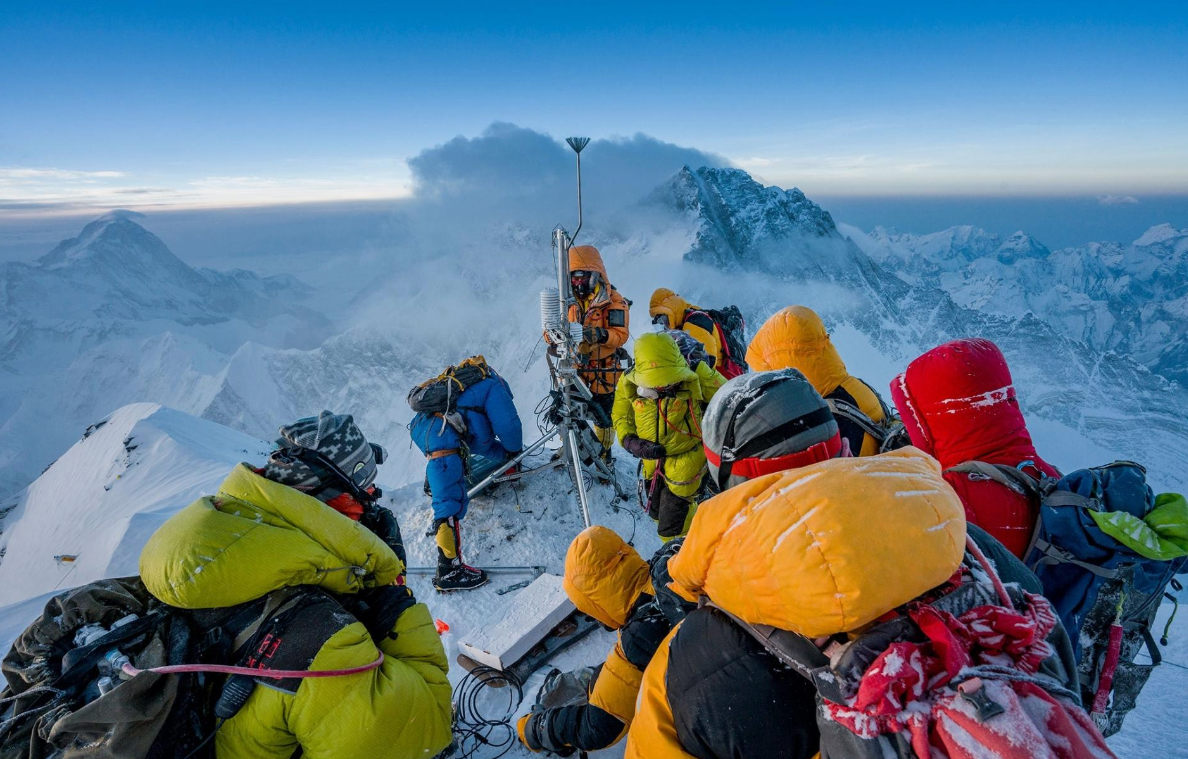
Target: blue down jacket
[(493, 432)]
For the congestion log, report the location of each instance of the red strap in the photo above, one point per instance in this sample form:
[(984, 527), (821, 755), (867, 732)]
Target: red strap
[(757, 467)]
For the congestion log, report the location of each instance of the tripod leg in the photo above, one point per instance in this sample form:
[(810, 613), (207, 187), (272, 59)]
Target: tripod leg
[(577, 470)]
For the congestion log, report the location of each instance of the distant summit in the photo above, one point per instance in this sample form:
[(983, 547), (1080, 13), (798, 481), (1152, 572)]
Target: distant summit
[(743, 224)]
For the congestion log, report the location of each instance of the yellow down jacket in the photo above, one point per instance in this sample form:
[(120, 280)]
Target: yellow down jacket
[(604, 578), (796, 338), (256, 536), (671, 418), (820, 550)]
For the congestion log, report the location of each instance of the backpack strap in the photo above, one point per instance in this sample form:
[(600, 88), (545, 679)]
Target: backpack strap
[(855, 415), (1007, 476), (1053, 554), (794, 651)]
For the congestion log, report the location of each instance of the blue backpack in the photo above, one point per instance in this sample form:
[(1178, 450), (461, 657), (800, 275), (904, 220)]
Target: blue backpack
[(1106, 550)]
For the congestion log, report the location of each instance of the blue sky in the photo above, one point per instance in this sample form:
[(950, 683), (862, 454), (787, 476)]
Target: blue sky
[(202, 104)]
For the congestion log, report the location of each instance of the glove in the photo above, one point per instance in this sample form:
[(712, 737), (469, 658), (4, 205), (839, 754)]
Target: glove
[(382, 522), (379, 608), (595, 335), (643, 449), (533, 730)]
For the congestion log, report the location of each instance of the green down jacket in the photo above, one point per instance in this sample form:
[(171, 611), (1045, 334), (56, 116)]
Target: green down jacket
[(256, 536), (670, 416)]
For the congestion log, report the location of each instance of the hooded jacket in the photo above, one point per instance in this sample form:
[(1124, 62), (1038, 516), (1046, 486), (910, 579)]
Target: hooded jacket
[(798, 550), (671, 417), (605, 308), (493, 431), (688, 318), (255, 537), (796, 338), (958, 404), (607, 579)]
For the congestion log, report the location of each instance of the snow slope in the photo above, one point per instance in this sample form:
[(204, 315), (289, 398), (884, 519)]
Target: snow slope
[(101, 500)]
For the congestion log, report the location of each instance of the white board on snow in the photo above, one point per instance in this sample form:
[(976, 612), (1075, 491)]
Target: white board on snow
[(536, 610)]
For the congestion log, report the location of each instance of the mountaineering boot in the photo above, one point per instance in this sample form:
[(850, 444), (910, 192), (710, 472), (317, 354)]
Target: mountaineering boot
[(452, 574), (455, 575)]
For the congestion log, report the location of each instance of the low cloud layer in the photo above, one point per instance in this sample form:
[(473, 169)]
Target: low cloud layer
[(1117, 200)]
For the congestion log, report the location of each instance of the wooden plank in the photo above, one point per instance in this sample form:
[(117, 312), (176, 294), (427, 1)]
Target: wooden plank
[(534, 612)]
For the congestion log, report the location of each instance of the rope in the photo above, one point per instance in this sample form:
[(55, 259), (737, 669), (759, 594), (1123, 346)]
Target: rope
[(271, 674)]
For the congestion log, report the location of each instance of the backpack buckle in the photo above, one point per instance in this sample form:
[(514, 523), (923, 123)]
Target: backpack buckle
[(973, 692)]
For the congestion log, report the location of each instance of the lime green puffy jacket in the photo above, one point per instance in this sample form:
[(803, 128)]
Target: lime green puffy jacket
[(256, 536), (672, 419)]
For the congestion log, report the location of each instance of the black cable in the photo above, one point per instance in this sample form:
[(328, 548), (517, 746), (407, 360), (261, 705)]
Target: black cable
[(472, 728), (205, 740)]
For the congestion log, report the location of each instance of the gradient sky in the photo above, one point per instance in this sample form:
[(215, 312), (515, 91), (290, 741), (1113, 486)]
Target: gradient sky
[(203, 104)]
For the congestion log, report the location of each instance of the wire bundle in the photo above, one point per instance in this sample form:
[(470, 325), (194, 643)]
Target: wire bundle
[(473, 727)]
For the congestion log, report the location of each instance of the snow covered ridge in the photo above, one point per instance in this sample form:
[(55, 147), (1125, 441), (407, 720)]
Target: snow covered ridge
[(1128, 298), (90, 513)]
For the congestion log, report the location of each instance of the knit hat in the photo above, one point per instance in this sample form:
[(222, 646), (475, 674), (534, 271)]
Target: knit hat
[(307, 444), (767, 422)]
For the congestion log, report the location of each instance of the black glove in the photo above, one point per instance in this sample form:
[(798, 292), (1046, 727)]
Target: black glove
[(595, 335), (642, 449), (379, 608), (533, 729), (382, 522)]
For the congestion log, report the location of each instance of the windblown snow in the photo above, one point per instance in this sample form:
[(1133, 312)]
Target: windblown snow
[(213, 362)]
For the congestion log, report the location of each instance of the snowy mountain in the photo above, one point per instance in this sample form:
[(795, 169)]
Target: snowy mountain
[(1130, 299), (90, 513), (110, 317)]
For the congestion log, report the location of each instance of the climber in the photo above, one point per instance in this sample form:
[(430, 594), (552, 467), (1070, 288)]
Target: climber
[(671, 311), (605, 316), (484, 423), (958, 403), (657, 415), (287, 533), (607, 579), (795, 337), (842, 611), (773, 421)]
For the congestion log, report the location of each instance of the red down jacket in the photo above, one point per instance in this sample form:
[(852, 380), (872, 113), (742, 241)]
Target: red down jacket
[(958, 404)]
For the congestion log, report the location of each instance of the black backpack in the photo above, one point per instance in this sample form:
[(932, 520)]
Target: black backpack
[(890, 433), (733, 331), (440, 394), (65, 697)]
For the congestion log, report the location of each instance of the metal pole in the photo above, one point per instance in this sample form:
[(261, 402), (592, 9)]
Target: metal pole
[(578, 470), (520, 457), (536, 571)]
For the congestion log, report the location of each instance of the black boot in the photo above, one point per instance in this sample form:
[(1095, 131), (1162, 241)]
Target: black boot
[(454, 575)]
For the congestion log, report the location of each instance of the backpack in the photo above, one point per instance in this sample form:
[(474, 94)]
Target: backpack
[(1105, 568), (963, 672), (732, 335), (440, 394), (65, 696), (890, 433)]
